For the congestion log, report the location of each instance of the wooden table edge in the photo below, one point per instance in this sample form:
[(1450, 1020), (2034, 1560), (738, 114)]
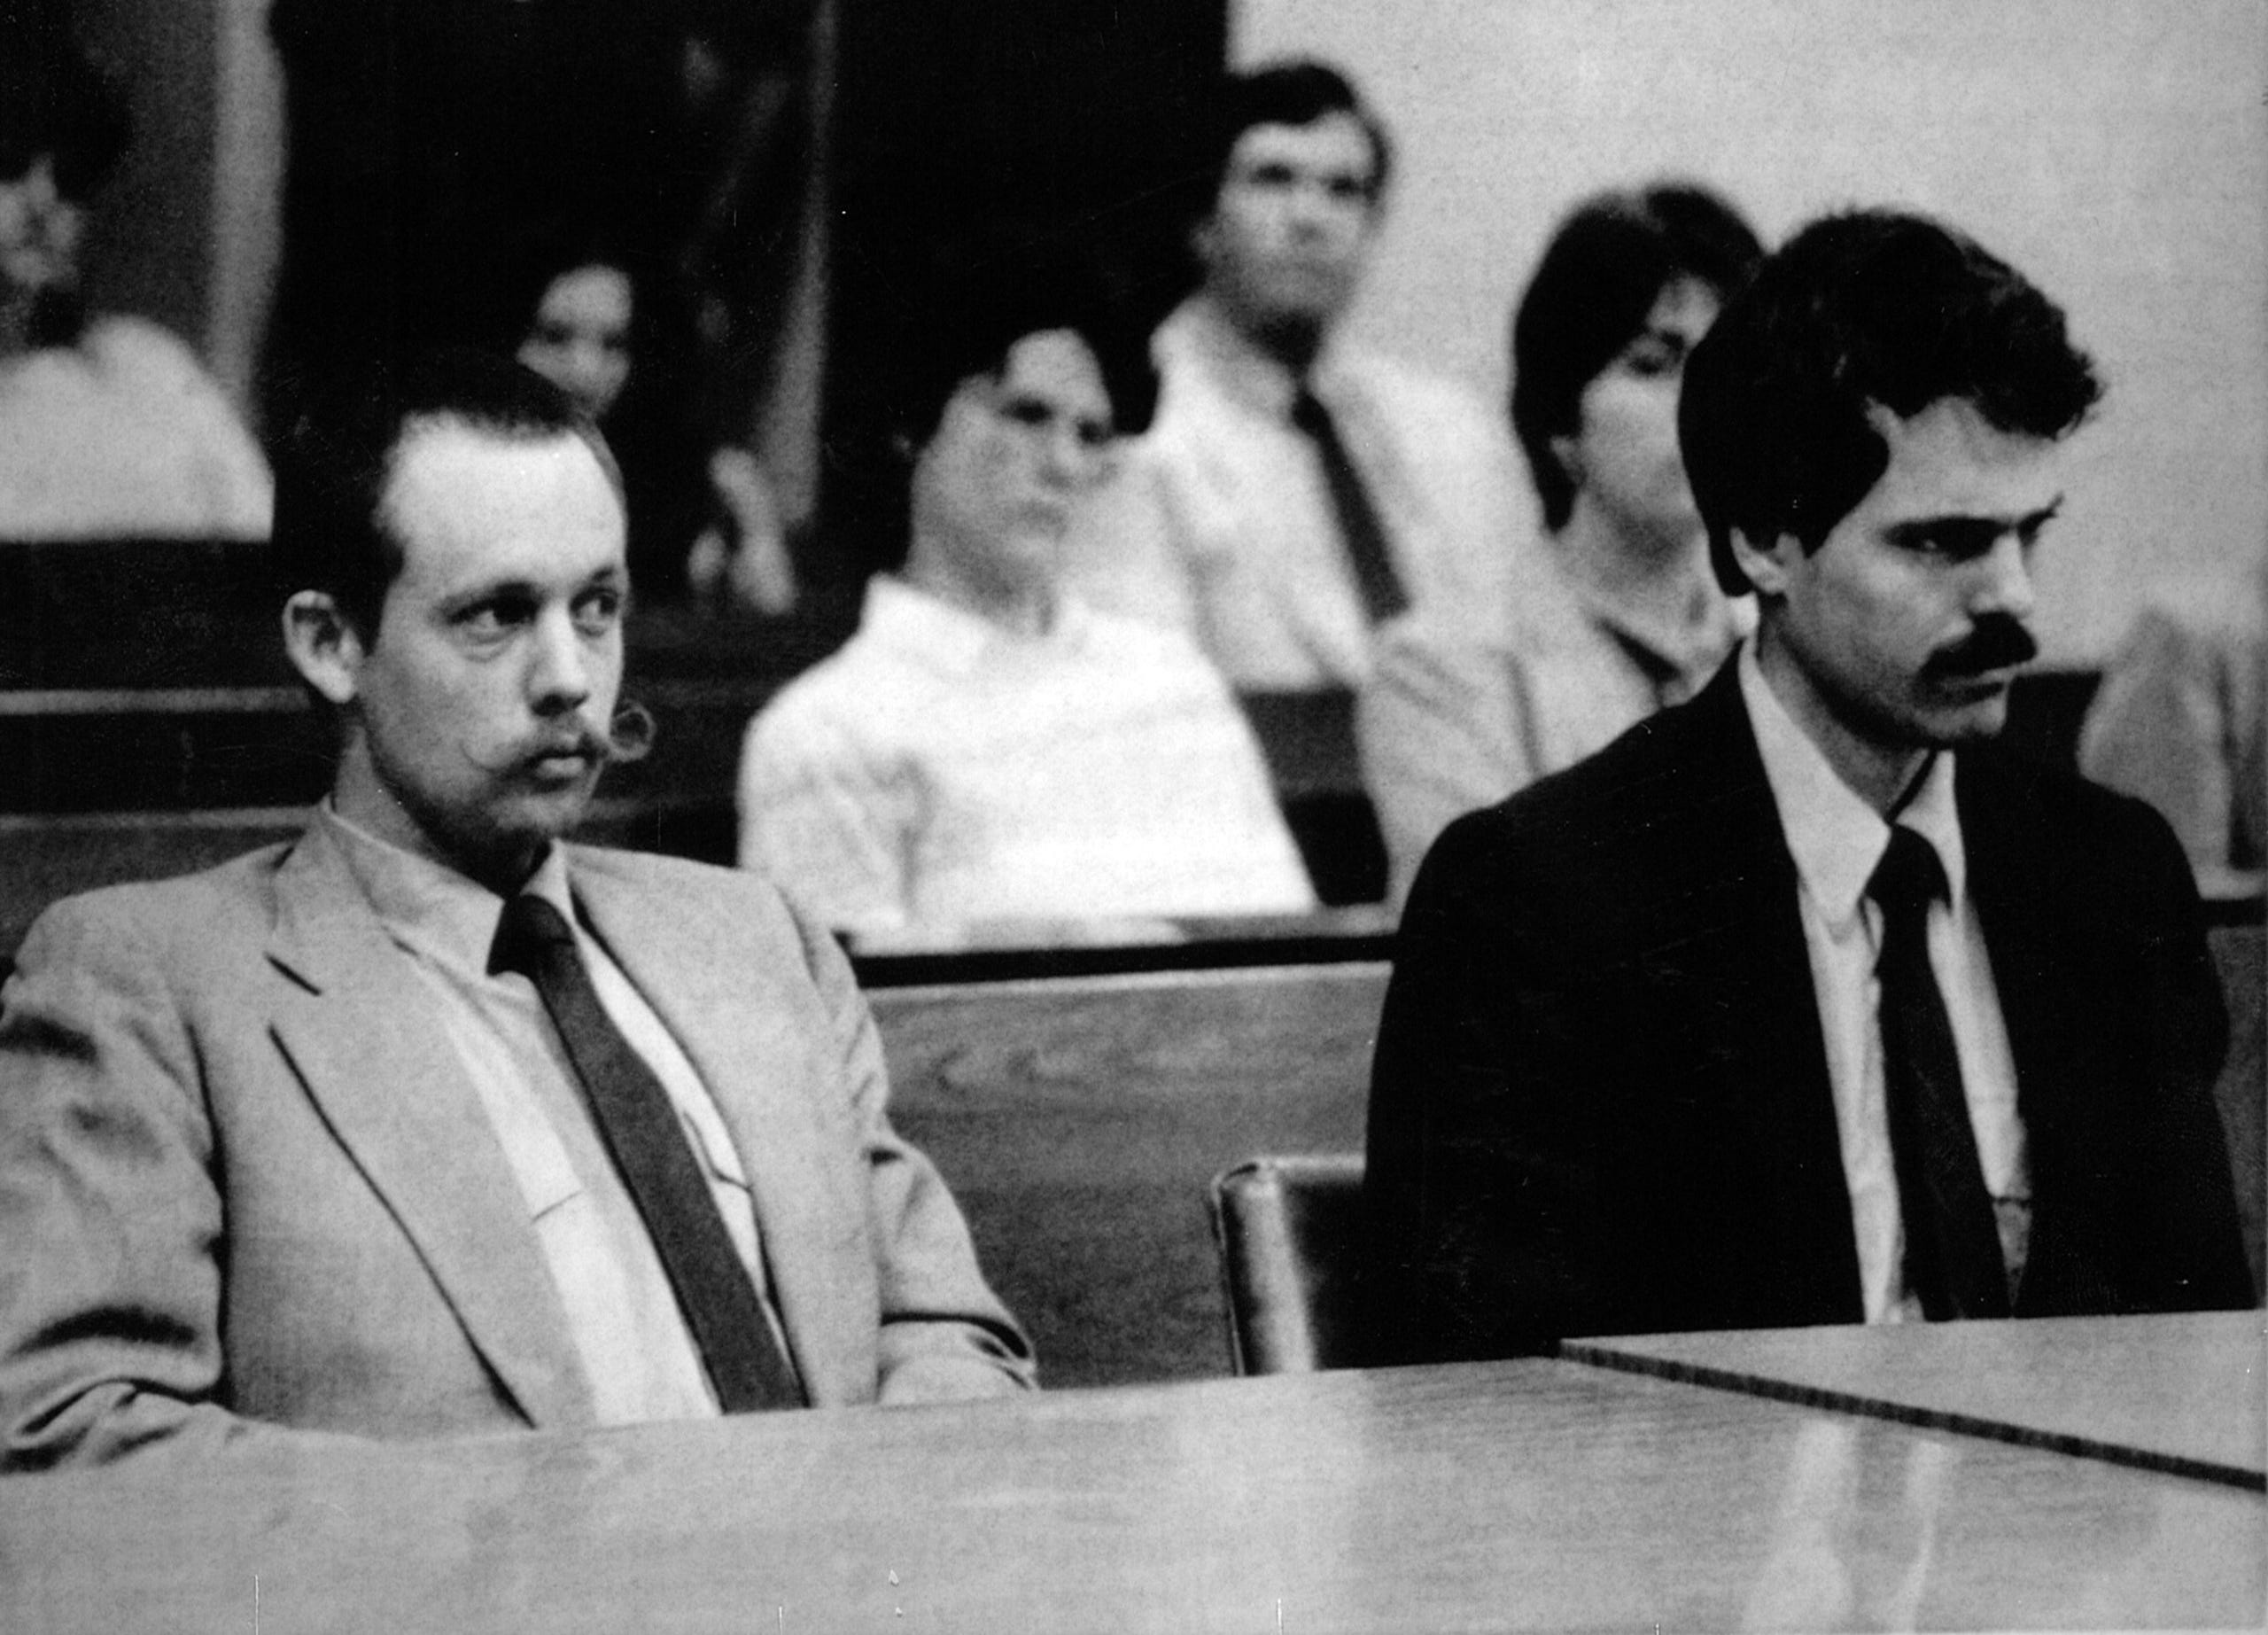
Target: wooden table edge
[(1604, 1354)]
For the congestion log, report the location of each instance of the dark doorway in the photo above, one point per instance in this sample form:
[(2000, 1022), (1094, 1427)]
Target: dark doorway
[(1070, 117)]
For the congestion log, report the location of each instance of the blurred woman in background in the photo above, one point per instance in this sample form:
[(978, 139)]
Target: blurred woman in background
[(708, 526), (1618, 614)]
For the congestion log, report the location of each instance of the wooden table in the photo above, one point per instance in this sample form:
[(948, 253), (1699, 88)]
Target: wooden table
[(2181, 1393), (1538, 1494)]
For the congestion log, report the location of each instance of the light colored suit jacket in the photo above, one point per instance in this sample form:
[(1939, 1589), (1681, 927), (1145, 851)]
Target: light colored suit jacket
[(245, 1182)]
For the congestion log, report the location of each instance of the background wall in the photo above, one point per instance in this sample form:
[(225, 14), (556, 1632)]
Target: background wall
[(145, 239), (186, 230), (2116, 150)]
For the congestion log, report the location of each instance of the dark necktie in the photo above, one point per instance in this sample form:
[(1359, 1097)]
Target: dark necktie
[(1359, 525), (1952, 1246), (640, 1128)]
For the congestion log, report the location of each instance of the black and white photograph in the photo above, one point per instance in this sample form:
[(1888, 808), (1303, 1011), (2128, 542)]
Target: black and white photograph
[(1308, 817)]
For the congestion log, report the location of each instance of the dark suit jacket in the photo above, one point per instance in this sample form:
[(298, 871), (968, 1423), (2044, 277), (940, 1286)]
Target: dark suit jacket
[(246, 1180), (1601, 1101)]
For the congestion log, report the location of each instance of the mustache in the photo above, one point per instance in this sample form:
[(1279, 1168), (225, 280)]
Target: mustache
[(628, 736), (1998, 643)]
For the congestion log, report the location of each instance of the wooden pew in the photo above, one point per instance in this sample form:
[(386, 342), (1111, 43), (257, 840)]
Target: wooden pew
[(41, 859), (1078, 1120)]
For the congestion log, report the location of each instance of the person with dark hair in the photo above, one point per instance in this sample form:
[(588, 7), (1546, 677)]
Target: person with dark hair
[(1623, 616), (577, 327), (1798, 1004), (109, 425), (989, 758), (579, 308), (427, 1123), (1296, 494)]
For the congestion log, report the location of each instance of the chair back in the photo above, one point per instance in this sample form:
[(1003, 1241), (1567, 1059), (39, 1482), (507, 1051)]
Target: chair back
[(1291, 1233)]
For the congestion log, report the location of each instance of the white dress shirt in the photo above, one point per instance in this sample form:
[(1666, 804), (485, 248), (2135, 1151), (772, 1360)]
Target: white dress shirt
[(122, 434), (942, 770), (1222, 521), (1837, 839)]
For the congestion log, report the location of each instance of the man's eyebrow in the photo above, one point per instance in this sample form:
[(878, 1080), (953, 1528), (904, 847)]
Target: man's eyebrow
[(525, 589), (1970, 528), (490, 590)]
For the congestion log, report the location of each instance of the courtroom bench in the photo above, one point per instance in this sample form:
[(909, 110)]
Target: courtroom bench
[(1079, 1117)]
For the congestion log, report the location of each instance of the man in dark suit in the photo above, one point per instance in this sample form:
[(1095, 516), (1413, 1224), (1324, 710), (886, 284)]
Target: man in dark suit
[(1798, 1004), (428, 1124)]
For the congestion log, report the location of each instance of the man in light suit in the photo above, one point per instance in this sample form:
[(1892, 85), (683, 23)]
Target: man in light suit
[(357, 1133), (1657, 1055)]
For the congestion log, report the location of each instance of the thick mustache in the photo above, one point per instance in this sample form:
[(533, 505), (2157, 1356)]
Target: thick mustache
[(629, 737), (1998, 643)]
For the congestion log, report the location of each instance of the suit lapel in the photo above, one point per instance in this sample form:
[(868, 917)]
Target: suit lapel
[(2038, 987), (1767, 1054), (2006, 881), (352, 1018), (717, 988)]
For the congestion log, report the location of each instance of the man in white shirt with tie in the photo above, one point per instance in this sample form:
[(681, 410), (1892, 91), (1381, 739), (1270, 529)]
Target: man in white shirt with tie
[(1296, 491), (1798, 1004)]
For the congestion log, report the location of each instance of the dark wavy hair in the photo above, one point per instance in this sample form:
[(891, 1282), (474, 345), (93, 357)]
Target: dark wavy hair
[(989, 290), (335, 460), (1296, 91), (55, 100), (1602, 273), (1862, 308)]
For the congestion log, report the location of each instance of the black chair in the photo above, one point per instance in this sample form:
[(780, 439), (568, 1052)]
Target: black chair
[(1291, 1235)]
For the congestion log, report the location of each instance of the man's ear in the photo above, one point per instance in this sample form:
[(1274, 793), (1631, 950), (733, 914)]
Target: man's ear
[(1767, 569), (323, 645)]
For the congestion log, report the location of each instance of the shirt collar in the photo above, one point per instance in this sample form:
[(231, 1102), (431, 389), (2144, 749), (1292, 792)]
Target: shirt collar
[(427, 906), (1198, 336), (951, 638), (1837, 838)]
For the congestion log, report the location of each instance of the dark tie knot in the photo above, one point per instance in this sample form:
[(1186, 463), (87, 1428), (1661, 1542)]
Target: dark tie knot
[(1909, 877), (1308, 414), (529, 932)]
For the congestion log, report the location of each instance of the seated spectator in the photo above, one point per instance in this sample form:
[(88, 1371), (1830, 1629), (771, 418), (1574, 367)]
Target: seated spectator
[(109, 427), (1618, 614), (1299, 492), (2178, 721), (578, 334), (988, 757), (576, 320)]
